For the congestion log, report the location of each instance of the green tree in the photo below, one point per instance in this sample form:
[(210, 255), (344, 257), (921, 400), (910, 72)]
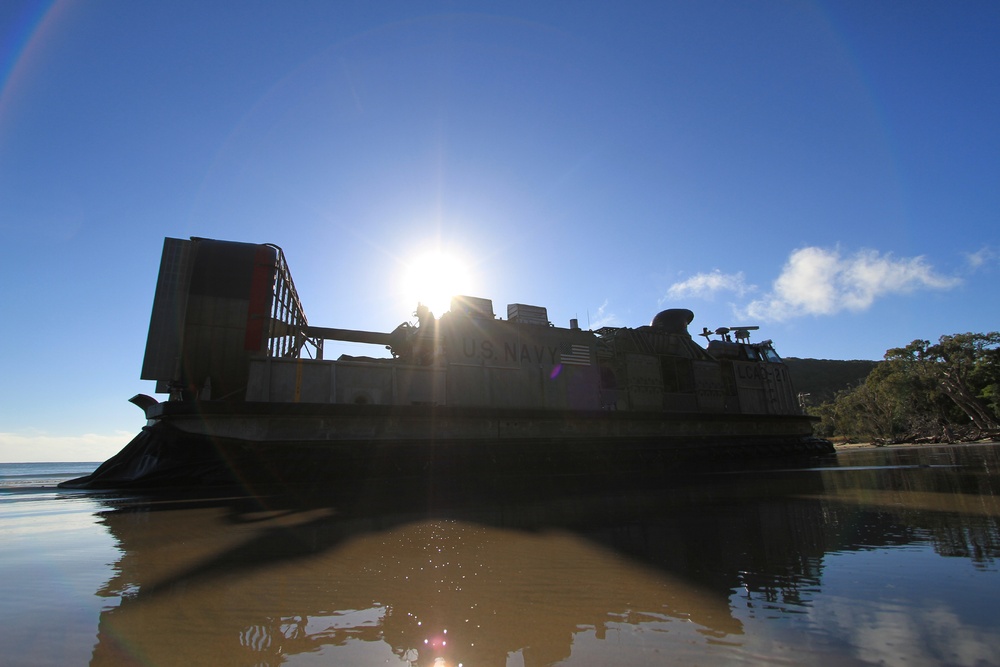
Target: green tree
[(860, 412), (964, 367), (921, 389), (891, 405)]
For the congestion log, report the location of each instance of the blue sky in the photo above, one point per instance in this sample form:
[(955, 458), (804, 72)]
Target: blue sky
[(829, 171)]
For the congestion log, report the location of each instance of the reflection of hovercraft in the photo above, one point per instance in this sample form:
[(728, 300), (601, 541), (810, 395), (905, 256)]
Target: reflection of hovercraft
[(230, 343)]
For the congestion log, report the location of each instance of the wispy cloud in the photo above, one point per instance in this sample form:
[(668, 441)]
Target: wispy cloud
[(982, 257), (603, 318), (706, 285), (819, 281)]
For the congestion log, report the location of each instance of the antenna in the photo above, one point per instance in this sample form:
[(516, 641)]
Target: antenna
[(743, 333)]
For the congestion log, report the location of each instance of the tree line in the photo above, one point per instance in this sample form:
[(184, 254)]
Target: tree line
[(942, 392)]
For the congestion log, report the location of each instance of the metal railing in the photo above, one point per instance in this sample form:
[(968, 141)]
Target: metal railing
[(287, 336)]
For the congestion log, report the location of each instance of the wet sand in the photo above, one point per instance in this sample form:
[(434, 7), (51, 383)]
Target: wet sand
[(881, 555)]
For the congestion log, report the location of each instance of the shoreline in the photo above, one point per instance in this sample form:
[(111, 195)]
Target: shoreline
[(848, 446)]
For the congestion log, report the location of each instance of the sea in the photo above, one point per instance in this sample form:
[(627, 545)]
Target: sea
[(881, 556)]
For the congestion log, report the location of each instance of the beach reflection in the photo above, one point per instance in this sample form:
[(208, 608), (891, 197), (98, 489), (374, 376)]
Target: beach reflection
[(714, 569)]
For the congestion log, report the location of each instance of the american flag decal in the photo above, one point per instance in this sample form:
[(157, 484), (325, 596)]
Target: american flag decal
[(579, 355)]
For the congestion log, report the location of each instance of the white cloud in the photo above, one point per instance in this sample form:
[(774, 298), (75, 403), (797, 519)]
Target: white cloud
[(981, 257), (817, 281), (42, 447), (603, 318), (706, 285)]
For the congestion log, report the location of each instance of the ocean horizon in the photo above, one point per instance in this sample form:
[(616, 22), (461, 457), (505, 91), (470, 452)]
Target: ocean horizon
[(43, 473)]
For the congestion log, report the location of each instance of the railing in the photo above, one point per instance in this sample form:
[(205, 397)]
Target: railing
[(288, 336)]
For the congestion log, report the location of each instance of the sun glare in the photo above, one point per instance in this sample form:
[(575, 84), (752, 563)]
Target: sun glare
[(433, 278)]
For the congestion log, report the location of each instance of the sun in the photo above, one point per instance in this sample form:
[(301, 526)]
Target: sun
[(433, 277)]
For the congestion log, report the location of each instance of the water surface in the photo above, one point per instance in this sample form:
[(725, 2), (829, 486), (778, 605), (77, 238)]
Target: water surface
[(883, 556)]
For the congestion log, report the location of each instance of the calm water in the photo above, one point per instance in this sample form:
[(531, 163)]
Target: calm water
[(878, 557)]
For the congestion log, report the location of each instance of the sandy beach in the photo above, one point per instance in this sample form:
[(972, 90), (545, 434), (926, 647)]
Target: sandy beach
[(848, 446)]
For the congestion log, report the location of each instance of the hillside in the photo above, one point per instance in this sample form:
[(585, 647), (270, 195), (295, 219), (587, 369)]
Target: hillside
[(823, 378)]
